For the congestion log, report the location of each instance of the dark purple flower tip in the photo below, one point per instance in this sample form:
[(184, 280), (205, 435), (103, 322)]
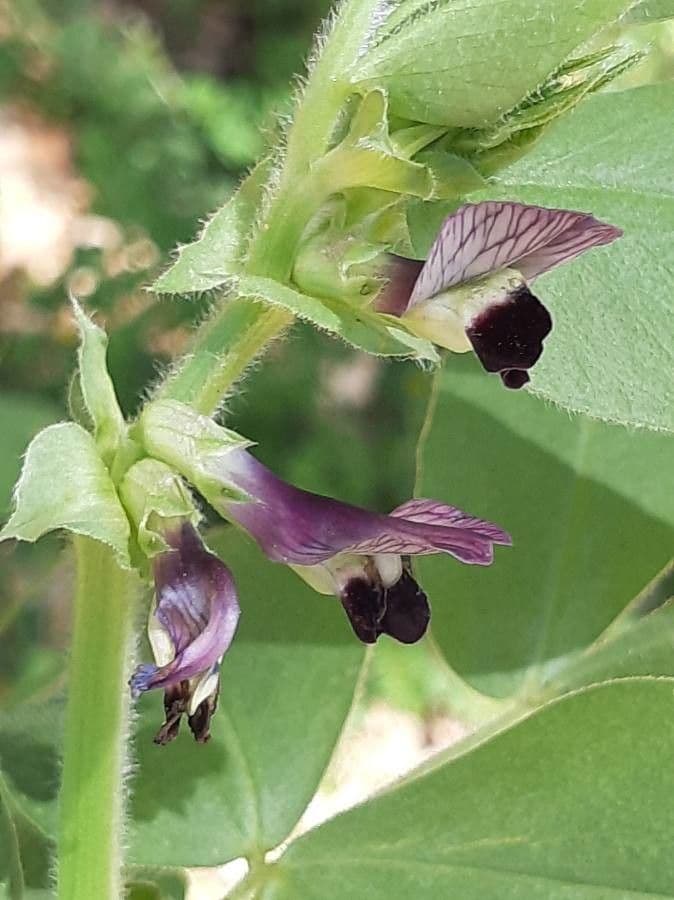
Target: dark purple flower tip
[(364, 604), (407, 610), (400, 610), (191, 627), (508, 335)]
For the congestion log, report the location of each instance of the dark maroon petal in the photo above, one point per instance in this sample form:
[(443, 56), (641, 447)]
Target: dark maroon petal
[(200, 721), (176, 701), (402, 274), (480, 238), (364, 604), (514, 378), (407, 611), (509, 334)]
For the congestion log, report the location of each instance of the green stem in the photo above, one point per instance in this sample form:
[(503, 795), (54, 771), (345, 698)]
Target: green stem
[(226, 345), (89, 859), (238, 332)]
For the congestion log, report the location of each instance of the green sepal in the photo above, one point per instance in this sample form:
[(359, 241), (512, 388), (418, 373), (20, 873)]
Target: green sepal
[(191, 443), (96, 387), (216, 255), (497, 146), (367, 157), (156, 499), (463, 65), (64, 484), (376, 333)]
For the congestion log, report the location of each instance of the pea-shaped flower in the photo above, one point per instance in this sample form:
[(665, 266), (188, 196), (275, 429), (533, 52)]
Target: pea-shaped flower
[(472, 292), (362, 557), (192, 624)]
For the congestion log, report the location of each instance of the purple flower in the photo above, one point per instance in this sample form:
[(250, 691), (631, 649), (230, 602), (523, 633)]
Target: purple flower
[(191, 626), (473, 289), (362, 557)]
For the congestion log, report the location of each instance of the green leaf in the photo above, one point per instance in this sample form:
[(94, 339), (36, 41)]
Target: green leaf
[(643, 648), (216, 255), (608, 354), (157, 884), (588, 506), (25, 851), (22, 416), (376, 333), (97, 388), (572, 803), (465, 63), (649, 11), (286, 687), (64, 484)]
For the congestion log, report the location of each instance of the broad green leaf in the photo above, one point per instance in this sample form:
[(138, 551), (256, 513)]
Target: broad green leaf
[(157, 884), (649, 11), (22, 416), (64, 484), (25, 851), (588, 506), (215, 256), (644, 648), (609, 353), (573, 803), (465, 62), (98, 391), (286, 687), (378, 334), (30, 742)]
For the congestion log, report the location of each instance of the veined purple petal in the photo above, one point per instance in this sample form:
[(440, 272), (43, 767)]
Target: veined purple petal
[(432, 512), (480, 238), (300, 528), (198, 607)]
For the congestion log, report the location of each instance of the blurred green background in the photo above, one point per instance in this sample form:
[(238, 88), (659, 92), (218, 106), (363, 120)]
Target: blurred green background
[(122, 125)]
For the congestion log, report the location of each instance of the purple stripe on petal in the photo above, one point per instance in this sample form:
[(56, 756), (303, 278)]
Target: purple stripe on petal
[(298, 527), (480, 238), (198, 607), (431, 512)]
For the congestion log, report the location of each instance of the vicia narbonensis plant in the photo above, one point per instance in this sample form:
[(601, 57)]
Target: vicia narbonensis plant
[(383, 135)]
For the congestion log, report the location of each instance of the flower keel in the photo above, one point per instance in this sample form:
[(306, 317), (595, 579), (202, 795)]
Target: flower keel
[(192, 625)]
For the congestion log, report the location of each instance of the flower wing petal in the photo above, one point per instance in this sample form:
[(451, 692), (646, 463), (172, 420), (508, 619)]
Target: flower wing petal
[(197, 605), (482, 237)]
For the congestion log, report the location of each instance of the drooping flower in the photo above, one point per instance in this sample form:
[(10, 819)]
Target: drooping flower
[(361, 556), (192, 624), (472, 292)]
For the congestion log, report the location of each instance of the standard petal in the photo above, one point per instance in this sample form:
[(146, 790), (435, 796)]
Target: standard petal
[(432, 512), (198, 607), (483, 237)]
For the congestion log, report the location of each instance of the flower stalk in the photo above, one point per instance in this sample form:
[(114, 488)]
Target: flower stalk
[(239, 330), (92, 792)]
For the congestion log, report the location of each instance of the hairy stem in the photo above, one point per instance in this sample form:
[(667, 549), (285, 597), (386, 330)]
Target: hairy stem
[(91, 801), (227, 345), (235, 335)]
